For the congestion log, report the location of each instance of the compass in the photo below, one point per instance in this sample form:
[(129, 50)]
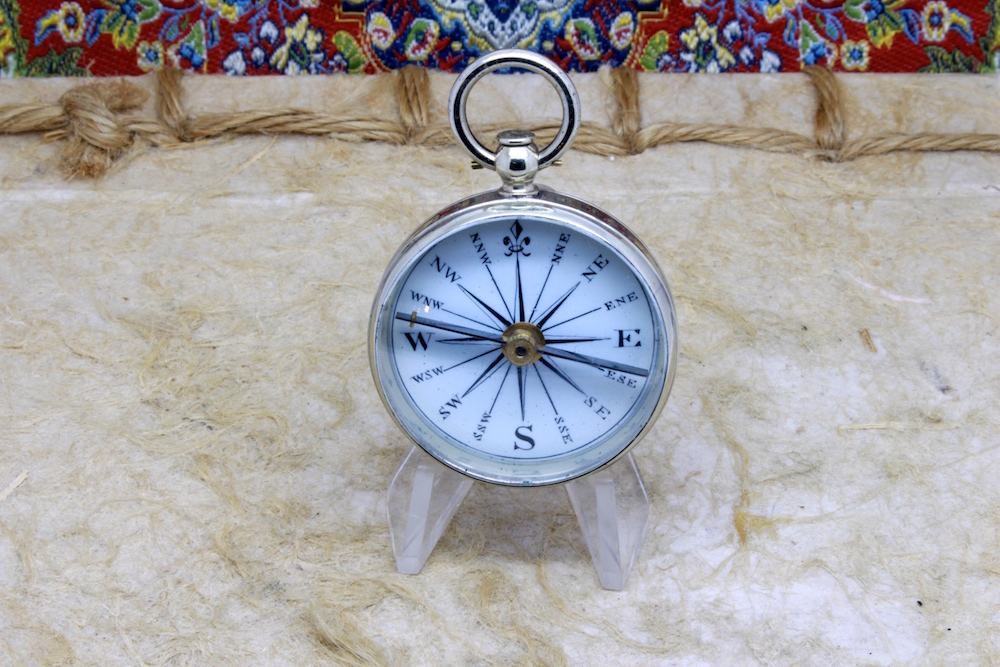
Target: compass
[(521, 336)]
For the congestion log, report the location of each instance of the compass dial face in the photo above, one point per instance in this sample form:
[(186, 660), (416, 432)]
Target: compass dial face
[(523, 349)]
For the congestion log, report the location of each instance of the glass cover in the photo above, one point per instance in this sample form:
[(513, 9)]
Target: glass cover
[(524, 344)]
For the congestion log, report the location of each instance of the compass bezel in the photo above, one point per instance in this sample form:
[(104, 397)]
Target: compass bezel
[(558, 209)]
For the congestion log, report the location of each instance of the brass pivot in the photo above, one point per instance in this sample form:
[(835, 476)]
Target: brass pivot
[(523, 343)]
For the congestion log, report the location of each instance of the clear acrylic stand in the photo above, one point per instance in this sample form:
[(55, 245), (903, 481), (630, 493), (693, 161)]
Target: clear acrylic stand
[(610, 504), (423, 496), (613, 510)]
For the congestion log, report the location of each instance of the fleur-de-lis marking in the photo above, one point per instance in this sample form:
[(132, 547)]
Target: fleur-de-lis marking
[(517, 245)]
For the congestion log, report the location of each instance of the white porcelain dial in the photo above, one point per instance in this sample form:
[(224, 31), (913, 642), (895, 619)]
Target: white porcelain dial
[(524, 342)]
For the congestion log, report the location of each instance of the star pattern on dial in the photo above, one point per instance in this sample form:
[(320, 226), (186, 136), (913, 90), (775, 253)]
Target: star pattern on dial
[(488, 331)]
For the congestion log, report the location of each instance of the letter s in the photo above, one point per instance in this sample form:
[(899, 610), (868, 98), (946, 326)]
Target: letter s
[(525, 438)]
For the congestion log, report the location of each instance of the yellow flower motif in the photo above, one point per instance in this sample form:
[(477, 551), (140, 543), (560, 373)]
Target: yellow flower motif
[(937, 20), (622, 31), (227, 9), (69, 20), (702, 32), (72, 21), (704, 52), (854, 55), (776, 9), (6, 37), (150, 56), (380, 30), (300, 50)]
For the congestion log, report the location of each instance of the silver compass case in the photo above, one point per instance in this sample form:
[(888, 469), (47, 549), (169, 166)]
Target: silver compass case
[(522, 336)]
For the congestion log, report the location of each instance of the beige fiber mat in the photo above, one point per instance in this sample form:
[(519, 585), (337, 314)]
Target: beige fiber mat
[(194, 458)]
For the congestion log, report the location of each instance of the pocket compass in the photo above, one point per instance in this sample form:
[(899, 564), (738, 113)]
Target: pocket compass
[(521, 336)]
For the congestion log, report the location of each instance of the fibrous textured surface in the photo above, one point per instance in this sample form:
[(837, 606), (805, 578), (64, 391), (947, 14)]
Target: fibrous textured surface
[(184, 380)]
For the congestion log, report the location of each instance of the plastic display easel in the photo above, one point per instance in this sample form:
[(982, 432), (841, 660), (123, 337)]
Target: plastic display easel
[(611, 505)]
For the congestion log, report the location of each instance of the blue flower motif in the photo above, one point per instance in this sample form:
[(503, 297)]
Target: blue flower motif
[(817, 52), (874, 10), (130, 8), (150, 55), (187, 52)]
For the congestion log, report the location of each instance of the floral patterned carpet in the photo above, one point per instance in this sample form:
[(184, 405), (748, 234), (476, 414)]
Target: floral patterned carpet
[(243, 37)]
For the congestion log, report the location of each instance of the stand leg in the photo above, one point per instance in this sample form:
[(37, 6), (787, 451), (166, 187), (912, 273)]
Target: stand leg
[(613, 510), (423, 497)]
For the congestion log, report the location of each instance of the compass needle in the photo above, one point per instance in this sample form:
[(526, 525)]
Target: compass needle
[(522, 385), (594, 361), (520, 291), (473, 320), (445, 326), (574, 339)]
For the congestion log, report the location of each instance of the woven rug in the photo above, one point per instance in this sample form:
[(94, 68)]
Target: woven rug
[(121, 37)]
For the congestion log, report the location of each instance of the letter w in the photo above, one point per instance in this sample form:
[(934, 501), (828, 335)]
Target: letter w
[(419, 340)]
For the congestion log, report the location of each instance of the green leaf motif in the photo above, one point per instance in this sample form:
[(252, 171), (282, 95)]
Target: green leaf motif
[(655, 47), (124, 32), (808, 37), (942, 60), (348, 47), (196, 38), (150, 10), (884, 28), (852, 8), (585, 29), (57, 64), (131, 35), (949, 61), (10, 34), (112, 22), (417, 31), (991, 40)]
